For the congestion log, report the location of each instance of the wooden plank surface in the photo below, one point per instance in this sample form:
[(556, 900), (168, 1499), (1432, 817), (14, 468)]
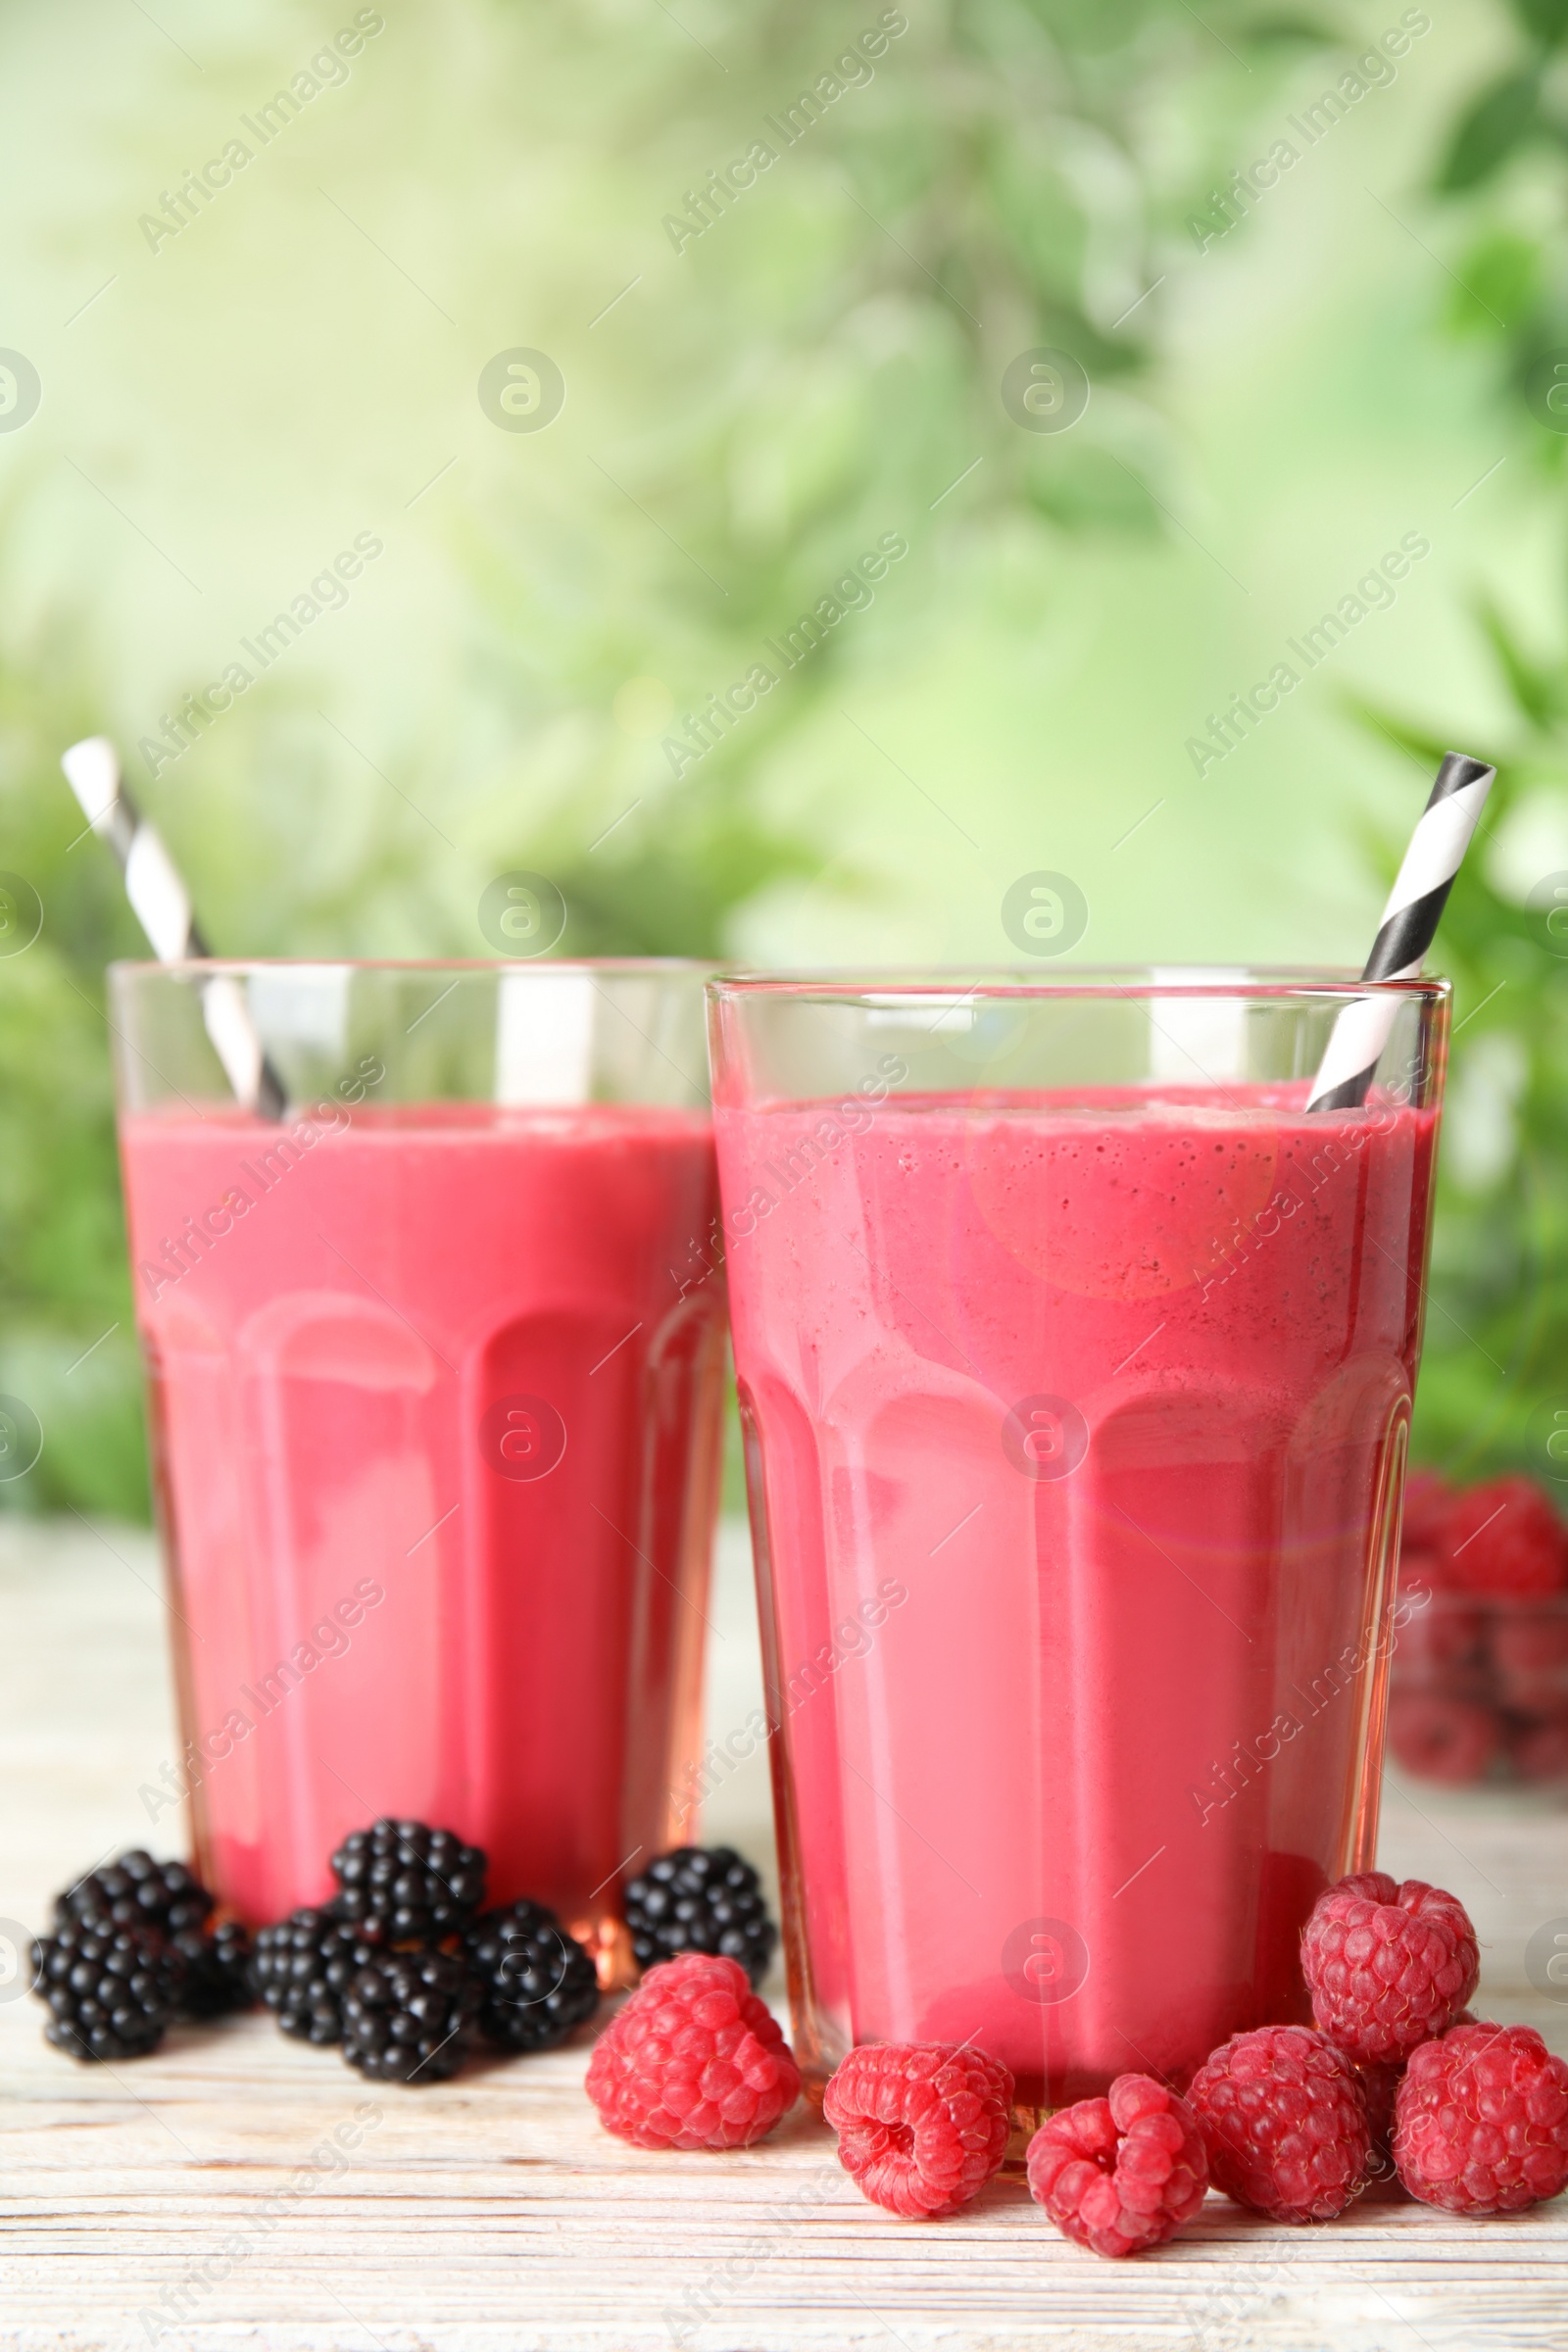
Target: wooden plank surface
[(239, 2191)]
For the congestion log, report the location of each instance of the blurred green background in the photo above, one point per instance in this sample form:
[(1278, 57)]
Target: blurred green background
[(1285, 382)]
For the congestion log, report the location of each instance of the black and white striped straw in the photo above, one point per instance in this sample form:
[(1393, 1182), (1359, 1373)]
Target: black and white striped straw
[(1409, 924), (162, 905)]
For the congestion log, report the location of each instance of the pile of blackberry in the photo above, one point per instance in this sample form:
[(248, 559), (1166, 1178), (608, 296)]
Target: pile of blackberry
[(700, 1899), (407, 2015), (401, 1967), (302, 1968), (401, 1883), (132, 1950), (402, 1970), (138, 1892), (538, 1982), (112, 1993)]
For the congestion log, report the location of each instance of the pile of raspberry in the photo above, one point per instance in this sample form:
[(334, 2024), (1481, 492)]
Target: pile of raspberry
[(1392, 2076), (1480, 1679), (1476, 2114), (1289, 2121)]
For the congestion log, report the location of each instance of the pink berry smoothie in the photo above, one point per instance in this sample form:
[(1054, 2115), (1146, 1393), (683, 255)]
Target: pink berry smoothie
[(1077, 1431), (436, 1439)]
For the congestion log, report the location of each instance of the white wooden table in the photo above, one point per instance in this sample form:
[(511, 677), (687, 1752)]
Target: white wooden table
[(239, 2190)]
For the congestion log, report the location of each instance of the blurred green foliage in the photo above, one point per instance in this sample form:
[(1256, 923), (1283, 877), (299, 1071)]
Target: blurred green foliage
[(1504, 161), (1494, 1366), (1018, 173), (1015, 160), (65, 1286)]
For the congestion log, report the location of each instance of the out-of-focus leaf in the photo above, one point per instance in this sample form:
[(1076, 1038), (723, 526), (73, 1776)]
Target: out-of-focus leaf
[(1546, 20), (674, 895), (1092, 26), (1077, 484), (1404, 734), (1309, 33), (1537, 688), (1499, 284), (1497, 1341), (1494, 126)]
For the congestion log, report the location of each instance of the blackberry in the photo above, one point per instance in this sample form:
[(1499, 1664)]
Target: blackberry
[(402, 1882), (701, 1899), (301, 1969), (111, 1992), (537, 1982), (407, 2015), (138, 1892), (217, 1968)]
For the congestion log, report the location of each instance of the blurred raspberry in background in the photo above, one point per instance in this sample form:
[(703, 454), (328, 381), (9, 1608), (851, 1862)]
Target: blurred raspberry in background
[(1480, 1675)]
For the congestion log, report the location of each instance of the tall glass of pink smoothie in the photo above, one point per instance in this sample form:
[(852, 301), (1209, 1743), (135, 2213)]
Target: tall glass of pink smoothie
[(1075, 1362), (435, 1412)]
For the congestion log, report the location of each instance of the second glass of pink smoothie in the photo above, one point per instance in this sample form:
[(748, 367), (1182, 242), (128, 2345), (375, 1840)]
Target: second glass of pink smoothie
[(1076, 1362), (435, 1410)]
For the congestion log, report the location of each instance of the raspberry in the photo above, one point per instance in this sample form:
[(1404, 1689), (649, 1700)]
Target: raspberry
[(1436, 1641), (1421, 1575), (1541, 1752), (1428, 1500), (1505, 1539), (1529, 1651), (1532, 1692), (538, 1981), (694, 2060), (1379, 2086), (1283, 2120), (1481, 2122), (1388, 1966), (701, 1900), (1530, 1641), (1447, 1739), (402, 1882), (922, 2127), (1122, 2172)]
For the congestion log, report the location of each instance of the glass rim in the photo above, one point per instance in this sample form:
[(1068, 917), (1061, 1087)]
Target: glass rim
[(205, 968), (1266, 983)]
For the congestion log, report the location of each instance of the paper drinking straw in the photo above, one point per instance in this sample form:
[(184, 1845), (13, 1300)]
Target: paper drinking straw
[(162, 906), (1409, 922)]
